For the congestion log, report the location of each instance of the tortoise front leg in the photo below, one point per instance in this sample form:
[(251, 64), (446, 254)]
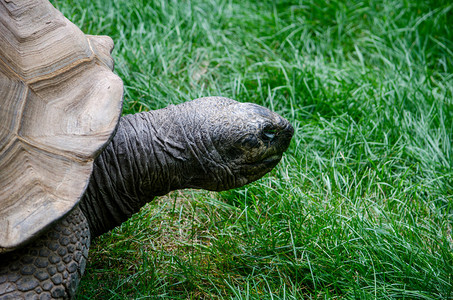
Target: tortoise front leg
[(49, 267)]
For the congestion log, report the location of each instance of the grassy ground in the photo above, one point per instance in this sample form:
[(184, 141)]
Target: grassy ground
[(361, 206)]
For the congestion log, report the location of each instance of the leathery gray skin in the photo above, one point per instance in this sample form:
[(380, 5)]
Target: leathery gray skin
[(210, 143)]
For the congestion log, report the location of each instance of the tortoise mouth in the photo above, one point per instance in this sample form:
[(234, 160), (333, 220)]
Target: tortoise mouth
[(272, 159), (254, 171), (265, 164)]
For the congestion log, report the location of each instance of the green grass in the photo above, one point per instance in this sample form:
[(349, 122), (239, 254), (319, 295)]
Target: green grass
[(361, 206)]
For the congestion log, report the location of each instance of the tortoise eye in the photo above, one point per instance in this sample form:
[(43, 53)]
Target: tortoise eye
[(268, 134)]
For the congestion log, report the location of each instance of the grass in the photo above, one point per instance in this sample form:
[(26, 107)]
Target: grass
[(361, 206)]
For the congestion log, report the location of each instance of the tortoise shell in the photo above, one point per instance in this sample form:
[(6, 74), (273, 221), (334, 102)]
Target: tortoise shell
[(59, 105)]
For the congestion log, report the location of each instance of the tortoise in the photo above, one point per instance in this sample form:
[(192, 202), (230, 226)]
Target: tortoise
[(71, 168)]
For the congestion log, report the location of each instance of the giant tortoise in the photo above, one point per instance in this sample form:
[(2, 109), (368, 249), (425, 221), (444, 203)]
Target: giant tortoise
[(71, 168)]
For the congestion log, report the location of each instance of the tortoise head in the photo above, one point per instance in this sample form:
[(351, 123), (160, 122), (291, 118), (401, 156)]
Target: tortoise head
[(240, 142)]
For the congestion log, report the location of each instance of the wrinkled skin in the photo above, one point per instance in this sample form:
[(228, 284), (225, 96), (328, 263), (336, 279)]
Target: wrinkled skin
[(209, 143)]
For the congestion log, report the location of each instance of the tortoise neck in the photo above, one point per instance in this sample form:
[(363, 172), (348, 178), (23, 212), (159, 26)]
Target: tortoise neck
[(147, 157)]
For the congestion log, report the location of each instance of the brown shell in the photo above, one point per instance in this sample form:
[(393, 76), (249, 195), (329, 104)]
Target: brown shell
[(59, 104)]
